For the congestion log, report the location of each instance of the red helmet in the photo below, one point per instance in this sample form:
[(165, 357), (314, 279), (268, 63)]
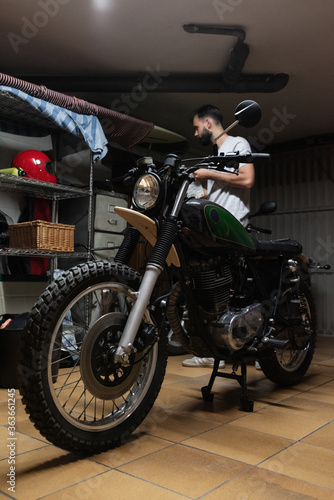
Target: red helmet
[(35, 164)]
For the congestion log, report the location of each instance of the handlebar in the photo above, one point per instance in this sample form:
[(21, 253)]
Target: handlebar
[(214, 162), (316, 265), (219, 162)]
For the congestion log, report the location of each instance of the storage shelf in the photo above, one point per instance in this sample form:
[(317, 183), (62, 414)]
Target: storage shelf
[(39, 189), (19, 118), (26, 252)]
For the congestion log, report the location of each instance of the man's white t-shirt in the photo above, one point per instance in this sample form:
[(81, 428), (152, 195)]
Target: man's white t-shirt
[(235, 200)]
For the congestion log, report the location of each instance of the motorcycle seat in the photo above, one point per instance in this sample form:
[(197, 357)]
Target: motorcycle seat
[(285, 246)]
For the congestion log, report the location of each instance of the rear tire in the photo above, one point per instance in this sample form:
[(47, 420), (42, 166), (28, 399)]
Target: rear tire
[(90, 404), (287, 366)]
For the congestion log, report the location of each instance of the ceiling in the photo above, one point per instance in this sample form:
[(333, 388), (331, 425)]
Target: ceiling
[(138, 58)]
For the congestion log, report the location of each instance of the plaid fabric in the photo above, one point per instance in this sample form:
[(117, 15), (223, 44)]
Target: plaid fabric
[(122, 129), (15, 104)]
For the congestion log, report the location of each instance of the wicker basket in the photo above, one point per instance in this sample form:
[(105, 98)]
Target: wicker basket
[(42, 235)]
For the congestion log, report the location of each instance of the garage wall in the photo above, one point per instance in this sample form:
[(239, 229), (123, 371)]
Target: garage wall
[(302, 184)]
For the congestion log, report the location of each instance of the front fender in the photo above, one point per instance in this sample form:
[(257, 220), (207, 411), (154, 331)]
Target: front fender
[(147, 227)]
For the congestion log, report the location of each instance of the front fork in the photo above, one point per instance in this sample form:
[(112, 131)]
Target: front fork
[(125, 346), (128, 245), (154, 267)]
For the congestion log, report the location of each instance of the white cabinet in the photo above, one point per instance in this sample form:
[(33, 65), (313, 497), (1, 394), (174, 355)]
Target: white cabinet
[(105, 217), (108, 226)]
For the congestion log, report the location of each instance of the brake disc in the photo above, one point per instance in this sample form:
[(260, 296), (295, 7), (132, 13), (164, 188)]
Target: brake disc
[(104, 378)]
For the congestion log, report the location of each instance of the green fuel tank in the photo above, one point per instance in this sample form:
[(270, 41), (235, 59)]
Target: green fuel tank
[(212, 230)]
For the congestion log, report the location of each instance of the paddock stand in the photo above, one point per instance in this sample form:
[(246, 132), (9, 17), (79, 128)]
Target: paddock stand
[(245, 403)]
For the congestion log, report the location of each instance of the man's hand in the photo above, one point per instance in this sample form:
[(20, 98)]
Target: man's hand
[(244, 180), (202, 174)]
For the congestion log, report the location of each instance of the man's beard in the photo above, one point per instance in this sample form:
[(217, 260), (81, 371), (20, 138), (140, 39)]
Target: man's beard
[(206, 137)]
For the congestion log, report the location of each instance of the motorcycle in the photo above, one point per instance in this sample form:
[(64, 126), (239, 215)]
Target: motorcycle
[(222, 292), (268, 207)]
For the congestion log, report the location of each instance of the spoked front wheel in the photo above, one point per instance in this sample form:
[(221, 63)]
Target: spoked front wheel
[(75, 393)]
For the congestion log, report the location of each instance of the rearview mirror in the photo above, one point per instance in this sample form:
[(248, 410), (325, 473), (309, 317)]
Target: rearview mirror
[(267, 207), (248, 113)]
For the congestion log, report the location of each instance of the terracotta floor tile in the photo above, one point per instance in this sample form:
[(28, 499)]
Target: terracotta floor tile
[(189, 386), (266, 392), (239, 444), (3, 396), (324, 393), (174, 426), (4, 497), (27, 428), (230, 390), (175, 367), (313, 378), (327, 362), (169, 398), (185, 470), (20, 413), (172, 378), (138, 446), (219, 410), (3, 440), (257, 484), (44, 471), (115, 485), (20, 443), (280, 423), (303, 406), (325, 370), (191, 448), (305, 462), (324, 437)]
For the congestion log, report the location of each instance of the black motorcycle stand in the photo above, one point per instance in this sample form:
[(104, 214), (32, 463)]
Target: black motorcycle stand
[(245, 403)]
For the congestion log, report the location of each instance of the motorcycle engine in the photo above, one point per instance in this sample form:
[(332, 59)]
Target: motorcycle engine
[(237, 327), (229, 328), (211, 284)]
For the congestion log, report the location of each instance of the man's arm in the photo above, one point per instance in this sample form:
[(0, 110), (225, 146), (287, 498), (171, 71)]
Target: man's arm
[(245, 179)]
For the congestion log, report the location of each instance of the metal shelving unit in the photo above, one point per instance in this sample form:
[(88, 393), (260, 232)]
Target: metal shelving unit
[(20, 252), (16, 114), (39, 189), (45, 190)]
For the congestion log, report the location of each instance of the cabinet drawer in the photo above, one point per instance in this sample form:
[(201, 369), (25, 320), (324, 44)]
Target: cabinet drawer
[(109, 242), (105, 217)]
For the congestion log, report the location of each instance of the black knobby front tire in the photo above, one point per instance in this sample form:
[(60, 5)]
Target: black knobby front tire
[(287, 367), (80, 408)]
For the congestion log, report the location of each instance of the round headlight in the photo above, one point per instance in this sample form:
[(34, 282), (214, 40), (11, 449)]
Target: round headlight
[(146, 191)]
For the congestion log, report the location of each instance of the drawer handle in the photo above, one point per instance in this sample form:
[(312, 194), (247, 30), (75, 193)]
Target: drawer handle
[(113, 222)]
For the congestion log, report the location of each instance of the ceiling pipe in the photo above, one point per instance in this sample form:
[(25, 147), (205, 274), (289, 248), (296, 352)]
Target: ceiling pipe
[(172, 83), (239, 53), (233, 70), (209, 29), (231, 80)]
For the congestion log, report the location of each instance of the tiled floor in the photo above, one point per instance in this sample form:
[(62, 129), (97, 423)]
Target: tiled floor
[(187, 448)]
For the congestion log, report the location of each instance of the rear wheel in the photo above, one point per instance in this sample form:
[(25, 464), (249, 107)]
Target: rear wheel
[(75, 393), (287, 366)]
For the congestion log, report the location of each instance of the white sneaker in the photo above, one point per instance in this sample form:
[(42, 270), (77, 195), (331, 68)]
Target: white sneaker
[(201, 362), (257, 366)]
